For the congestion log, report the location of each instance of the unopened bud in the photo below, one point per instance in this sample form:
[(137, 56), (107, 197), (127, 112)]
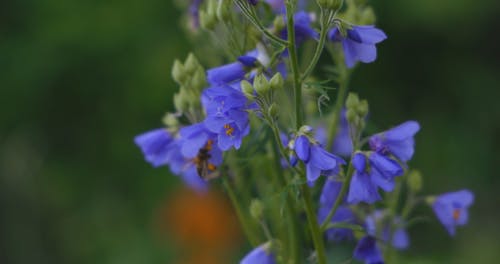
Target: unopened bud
[(351, 116), (273, 110), (362, 108), (247, 89), (277, 81), (198, 81), (191, 64), (170, 120), (261, 84), (224, 10), (279, 24), (256, 209), (330, 4), (207, 21), (415, 181), (367, 16), (352, 101), (181, 103), (178, 72)]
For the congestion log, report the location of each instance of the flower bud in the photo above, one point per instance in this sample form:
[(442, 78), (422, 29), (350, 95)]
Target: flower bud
[(247, 89), (330, 4), (352, 101), (362, 108), (415, 181), (261, 84), (207, 21), (277, 81), (198, 81), (279, 24), (181, 103), (178, 72), (367, 16), (257, 209), (351, 115), (273, 110), (191, 64), (170, 120), (224, 10)]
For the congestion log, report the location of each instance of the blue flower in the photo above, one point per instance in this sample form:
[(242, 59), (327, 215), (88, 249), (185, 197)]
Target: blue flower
[(342, 144), (368, 251), (230, 128), (217, 101), (397, 141), (156, 145), (362, 188), (330, 191), (393, 232), (379, 171), (259, 255), (451, 209), (343, 215), (303, 30), (318, 161), (226, 74), (359, 43), (193, 138)]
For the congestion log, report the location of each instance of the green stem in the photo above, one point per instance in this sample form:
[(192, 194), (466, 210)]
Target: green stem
[(292, 51), (293, 245), (336, 113), (306, 195), (313, 224), (251, 236), (251, 15), (340, 198), (325, 23)]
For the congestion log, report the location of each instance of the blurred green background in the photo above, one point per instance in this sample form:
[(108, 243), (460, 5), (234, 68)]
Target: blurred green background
[(79, 79)]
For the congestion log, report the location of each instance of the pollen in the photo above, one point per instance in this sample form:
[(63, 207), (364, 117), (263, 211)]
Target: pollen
[(229, 130), (211, 167), (456, 214)]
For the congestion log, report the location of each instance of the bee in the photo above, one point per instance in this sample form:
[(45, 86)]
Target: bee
[(205, 169)]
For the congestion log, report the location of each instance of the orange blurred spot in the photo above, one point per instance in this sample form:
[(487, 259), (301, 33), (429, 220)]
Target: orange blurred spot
[(203, 225)]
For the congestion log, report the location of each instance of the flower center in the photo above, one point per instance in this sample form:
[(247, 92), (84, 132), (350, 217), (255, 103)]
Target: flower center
[(229, 130), (456, 214)]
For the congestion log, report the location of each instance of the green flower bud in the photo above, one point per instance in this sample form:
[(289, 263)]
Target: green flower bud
[(415, 181), (178, 72), (279, 24), (191, 65), (351, 116), (261, 84), (352, 101), (330, 4), (273, 110), (181, 103), (367, 16), (430, 200), (247, 89), (207, 21), (224, 10), (257, 209), (170, 120), (362, 108), (277, 81), (198, 82)]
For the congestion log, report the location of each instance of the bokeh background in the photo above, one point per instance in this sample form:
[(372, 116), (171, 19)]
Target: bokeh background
[(79, 79)]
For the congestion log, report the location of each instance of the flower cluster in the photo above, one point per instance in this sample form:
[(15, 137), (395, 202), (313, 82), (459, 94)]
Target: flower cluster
[(242, 121)]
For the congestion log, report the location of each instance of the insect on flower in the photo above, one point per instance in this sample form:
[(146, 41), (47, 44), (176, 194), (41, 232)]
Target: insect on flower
[(205, 169)]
